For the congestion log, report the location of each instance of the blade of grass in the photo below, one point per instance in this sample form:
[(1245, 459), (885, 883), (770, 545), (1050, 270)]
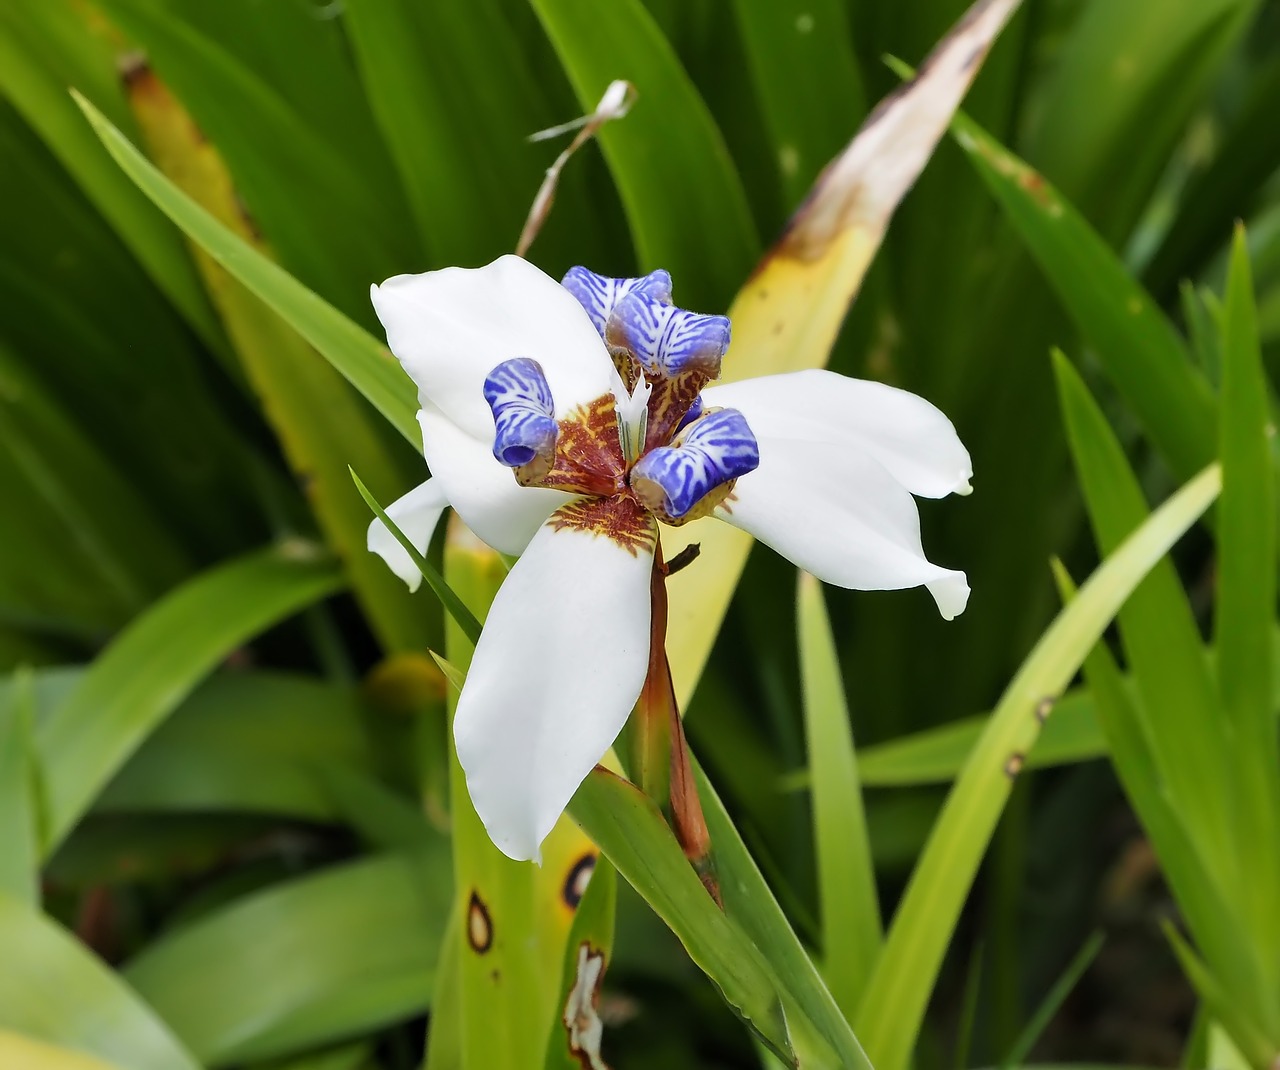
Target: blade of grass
[(890, 1016), (1178, 701), (452, 604), (1245, 610), (850, 908), (1053, 1001), (156, 662)]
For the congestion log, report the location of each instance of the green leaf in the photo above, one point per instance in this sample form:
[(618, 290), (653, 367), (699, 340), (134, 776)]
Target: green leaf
[(889, 1019), (683, 198), (289, 173), (850, 907), (45, 47), (307, 961), (453, 605), (1138, 347), (366, 364), (634, 837), (30, 1054), (787, 315), (257, 742), (54, 989), (19, 794), (1053, 1000), (156, 662), (1126, 81), (1251, 1037), (1245, 610), (819, 1031), (1159, 631), (588, 954), (806, 76)]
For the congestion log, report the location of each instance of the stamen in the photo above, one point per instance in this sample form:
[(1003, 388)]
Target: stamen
[(598, 294), (525, 429), (690, 478)]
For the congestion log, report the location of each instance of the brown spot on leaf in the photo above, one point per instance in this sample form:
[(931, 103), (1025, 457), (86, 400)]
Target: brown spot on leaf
[(479, 925), (575, 884), (581, 1016), (1013, 765), (1044, 707)]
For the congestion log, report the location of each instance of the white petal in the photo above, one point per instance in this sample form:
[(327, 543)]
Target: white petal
[(481, 491), (416, 515), (906, 434), (451, 328), (842, 517), (558, 667)]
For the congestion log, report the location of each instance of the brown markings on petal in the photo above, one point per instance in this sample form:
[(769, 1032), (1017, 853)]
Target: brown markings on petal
[(589, 457), (479, 925), (620, 518), (670, 399)]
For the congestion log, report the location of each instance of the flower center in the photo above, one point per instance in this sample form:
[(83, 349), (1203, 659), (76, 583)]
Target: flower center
[(652, 451)]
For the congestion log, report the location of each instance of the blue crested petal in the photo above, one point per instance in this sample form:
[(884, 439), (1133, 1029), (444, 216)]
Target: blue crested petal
[(695, 411), (668, 341), (716, 448), (599, 294), (523, 412)]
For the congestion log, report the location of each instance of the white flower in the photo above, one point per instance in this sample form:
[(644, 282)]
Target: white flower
[(561, 422)]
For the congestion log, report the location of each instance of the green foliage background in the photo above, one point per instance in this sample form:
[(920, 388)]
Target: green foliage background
[(222, 765)]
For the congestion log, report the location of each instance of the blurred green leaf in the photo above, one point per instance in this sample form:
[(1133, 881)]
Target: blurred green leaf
[(851, 927), (30, 1054), (307, 961), (1137, 345), (154, 664), (1126, 81), (366, 364), (1053, 1001), (806, 76), (253, 742), (54, 989), (890, 1016)]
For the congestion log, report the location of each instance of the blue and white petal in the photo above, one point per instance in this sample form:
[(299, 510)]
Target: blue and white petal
[(416, 515), (904, 433), (713, 450), (840, 515), (598, 294), (451, 328), (559, 665), (523, 413), (668, 341), (482, 492)]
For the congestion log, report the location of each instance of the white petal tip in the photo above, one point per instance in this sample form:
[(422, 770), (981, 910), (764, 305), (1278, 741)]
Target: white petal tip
[(951, 595), (965, 488)]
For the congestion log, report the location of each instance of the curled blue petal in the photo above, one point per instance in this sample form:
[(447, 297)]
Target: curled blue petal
[(716, 448), (695, 410), (668, 341), (599, 294), (523, 412)]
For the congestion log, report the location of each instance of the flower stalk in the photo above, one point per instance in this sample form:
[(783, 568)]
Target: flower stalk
[(657, 751)]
